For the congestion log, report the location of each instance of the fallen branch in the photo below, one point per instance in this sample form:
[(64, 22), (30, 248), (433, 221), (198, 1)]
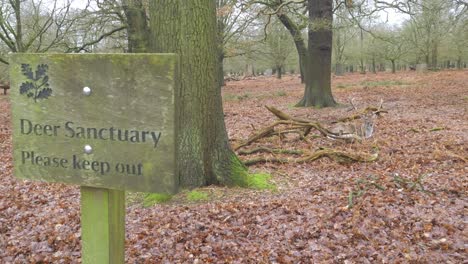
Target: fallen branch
[(336, 155), (269, 150), (359, 115), (283, 116), (298, 127), (288, 124)]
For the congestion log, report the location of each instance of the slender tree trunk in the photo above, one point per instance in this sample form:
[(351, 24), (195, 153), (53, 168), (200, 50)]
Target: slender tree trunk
[(318, 76), (188, 28), (137, 27), (221, 27), (220, 71), (374, 70), (393, 66), (279, 72), (361, 58), (434, 56), (339, 70), (299, 43), (301, 70), (19, 26)]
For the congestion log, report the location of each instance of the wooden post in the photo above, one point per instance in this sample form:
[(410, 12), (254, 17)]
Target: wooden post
[(102, 226)]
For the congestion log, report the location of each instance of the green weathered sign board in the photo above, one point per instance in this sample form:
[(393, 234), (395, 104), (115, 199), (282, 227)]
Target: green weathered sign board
[(97, 120)]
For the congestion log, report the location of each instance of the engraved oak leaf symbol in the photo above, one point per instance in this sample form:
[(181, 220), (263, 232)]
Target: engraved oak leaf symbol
[(37, 86)]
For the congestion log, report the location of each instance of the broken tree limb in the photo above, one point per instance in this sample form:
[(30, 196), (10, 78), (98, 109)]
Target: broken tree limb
[(336, 155), (270, 130), (270, 150), (359, 115), (295, 125), (283, 116), (263, 133)]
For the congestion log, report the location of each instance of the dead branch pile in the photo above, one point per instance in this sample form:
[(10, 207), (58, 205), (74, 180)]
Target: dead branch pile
[(356, 127)]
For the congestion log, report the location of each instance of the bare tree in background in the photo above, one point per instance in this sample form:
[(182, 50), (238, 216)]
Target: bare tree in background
[(40, 26)]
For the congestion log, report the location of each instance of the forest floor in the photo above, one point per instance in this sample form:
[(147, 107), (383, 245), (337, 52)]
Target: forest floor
[(409, 206)]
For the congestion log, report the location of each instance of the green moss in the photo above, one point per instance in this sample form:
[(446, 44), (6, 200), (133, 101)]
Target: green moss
[(241, 177), (196, 196), (155, 198), (383, 83), (260, 181), (234, 97), (342, 85), (436, 129)]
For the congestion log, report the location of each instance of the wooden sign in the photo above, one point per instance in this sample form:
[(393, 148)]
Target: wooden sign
[(98, 120)]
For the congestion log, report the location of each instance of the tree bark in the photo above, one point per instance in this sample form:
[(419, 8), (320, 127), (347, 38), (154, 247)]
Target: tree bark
[(188, 28), (220, 71), (434, 54), (393, 66), (279, 72), (318, 66), (299, 43), (137, 27), (16, 4), (221, 27), (339, 70), (374, 70), (301, 71)]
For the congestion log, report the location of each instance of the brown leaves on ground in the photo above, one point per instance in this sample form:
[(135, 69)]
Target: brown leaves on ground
[(407, 207)]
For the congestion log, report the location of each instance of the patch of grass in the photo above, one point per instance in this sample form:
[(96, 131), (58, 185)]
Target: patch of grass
[(235, 97), (281, 93), (436, 129), (383, 83), (343, 86), (196, 196), (134, 197), (243, 96), (291, 106), (229, 97), (156, 198), (260, 181)]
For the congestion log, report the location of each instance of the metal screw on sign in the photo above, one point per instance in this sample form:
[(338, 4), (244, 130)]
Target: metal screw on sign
[(86, 91)]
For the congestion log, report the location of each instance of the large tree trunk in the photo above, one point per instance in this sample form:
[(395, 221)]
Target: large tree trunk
[(188, 28), (137, 27), (318, 78)]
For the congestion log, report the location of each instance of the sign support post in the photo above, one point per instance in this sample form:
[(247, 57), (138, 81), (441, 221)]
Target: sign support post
[(102, 225)]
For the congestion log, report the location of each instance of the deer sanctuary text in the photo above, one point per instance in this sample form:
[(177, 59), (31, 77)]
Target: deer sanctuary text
[(71, 130)]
